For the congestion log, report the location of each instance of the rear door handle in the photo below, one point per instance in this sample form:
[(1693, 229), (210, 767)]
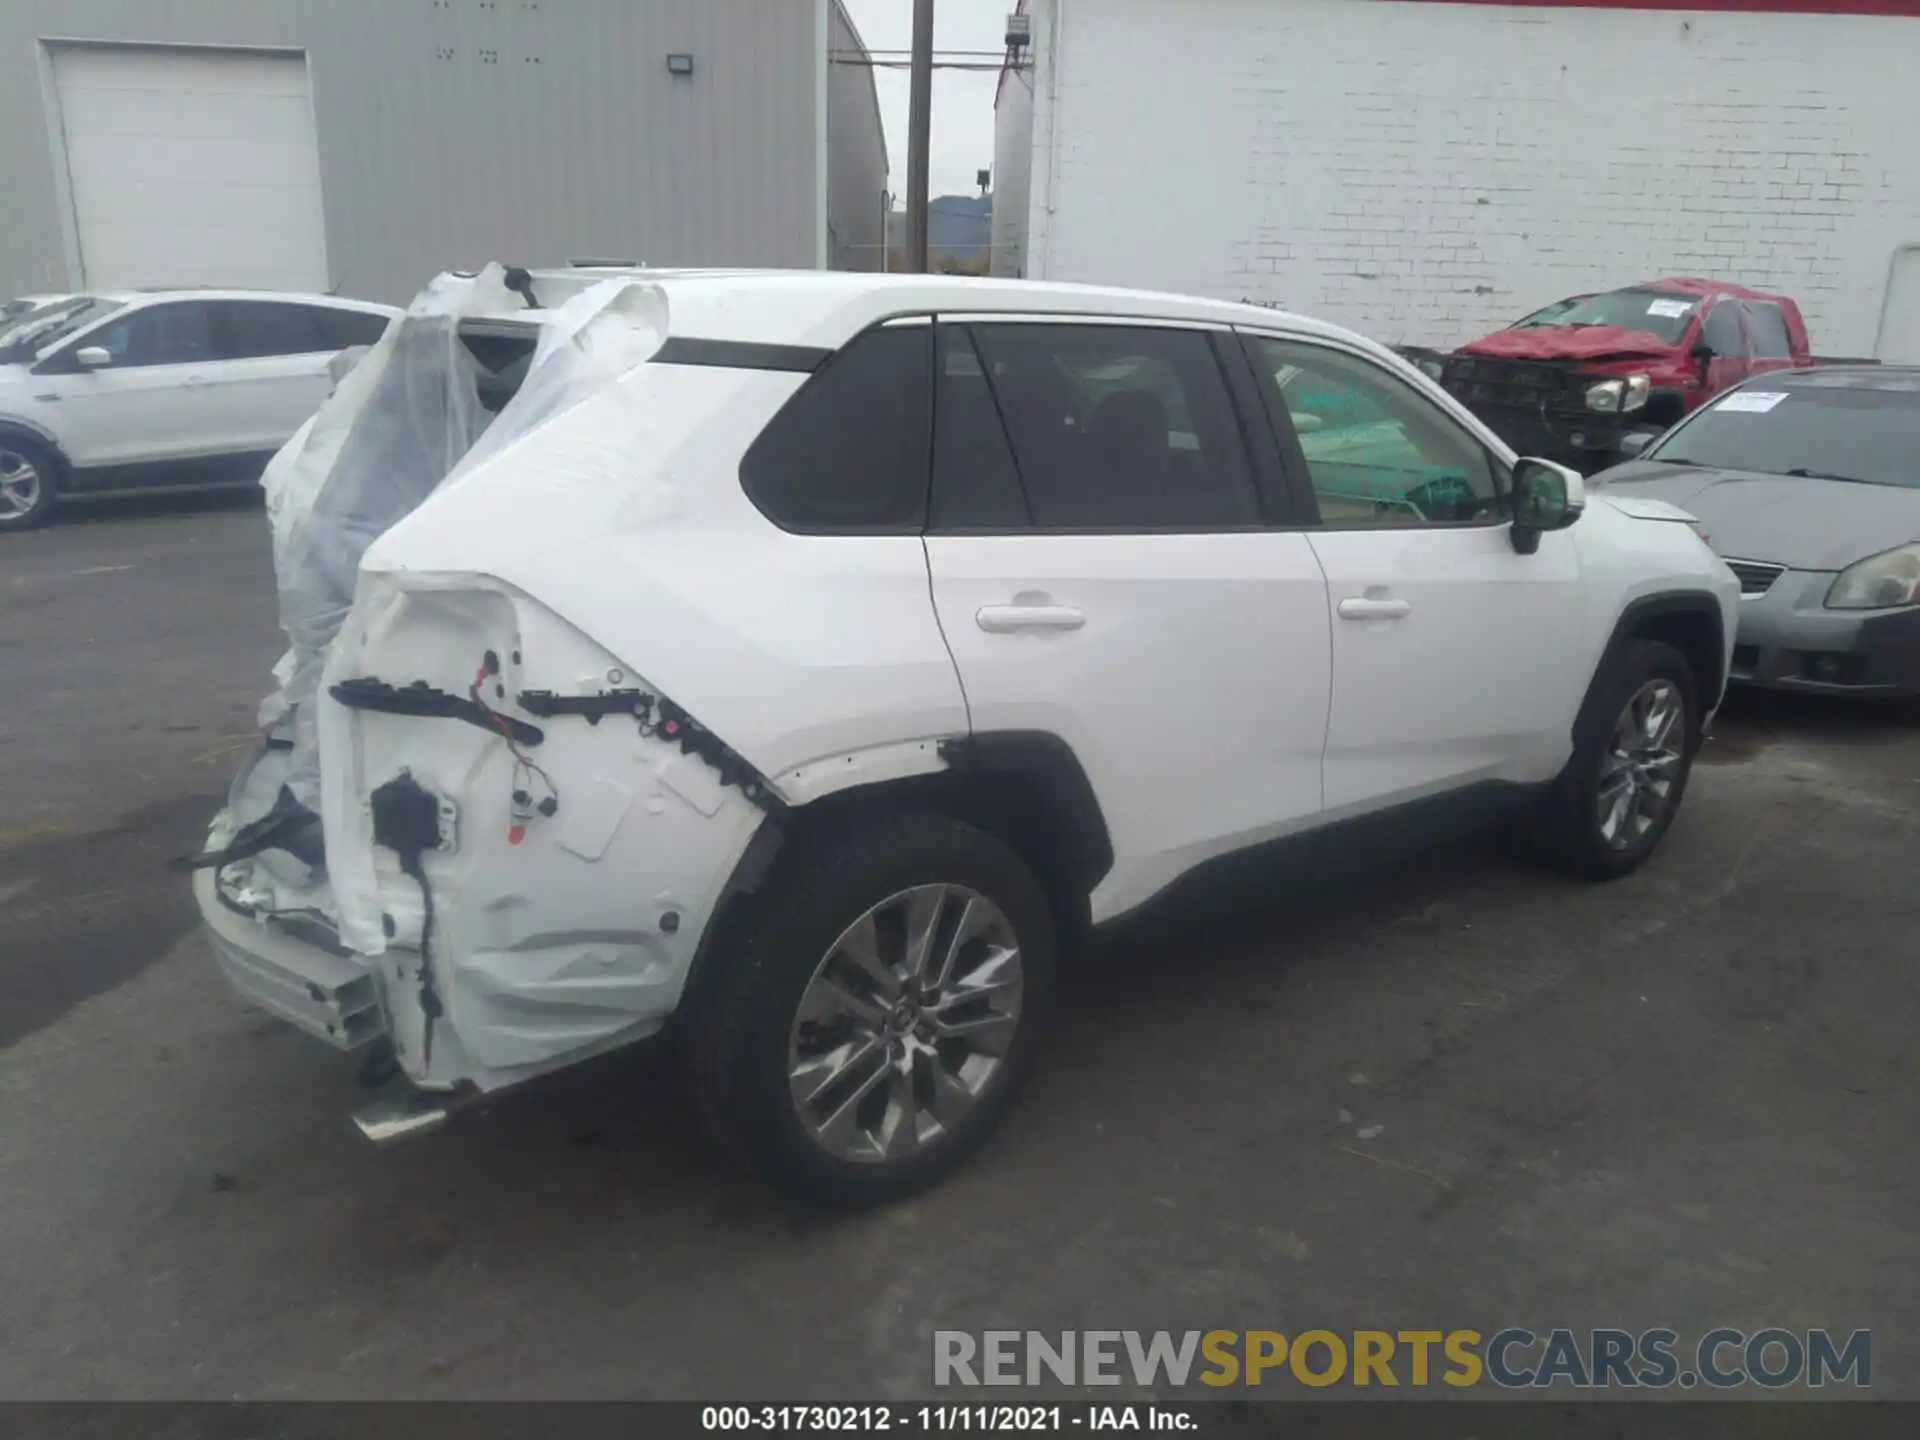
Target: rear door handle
[(1004, 619), (195, 382), (1361, 609)]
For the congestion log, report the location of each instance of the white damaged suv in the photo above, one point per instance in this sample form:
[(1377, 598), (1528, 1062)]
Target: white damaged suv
[(803, 662)]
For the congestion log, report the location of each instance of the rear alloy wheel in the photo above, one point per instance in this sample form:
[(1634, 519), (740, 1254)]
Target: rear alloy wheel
[(906, 1024), (1633, 751), (26, 483), (873, 1019)]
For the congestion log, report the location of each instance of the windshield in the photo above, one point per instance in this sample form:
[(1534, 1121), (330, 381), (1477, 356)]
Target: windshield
[(1850, 432), (25, 338), (1657, 312)]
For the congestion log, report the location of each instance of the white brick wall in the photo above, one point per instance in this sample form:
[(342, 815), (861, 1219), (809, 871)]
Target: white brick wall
[(1425, 172)]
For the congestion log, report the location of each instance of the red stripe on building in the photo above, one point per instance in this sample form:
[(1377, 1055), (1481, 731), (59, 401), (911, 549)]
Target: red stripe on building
[(1909, 8)]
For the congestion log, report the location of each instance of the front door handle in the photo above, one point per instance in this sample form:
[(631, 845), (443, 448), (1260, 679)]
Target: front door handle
[(1362, 609), (1005, 619)]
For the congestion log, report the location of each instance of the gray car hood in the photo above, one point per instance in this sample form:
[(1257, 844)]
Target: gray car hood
[(1801, 523)]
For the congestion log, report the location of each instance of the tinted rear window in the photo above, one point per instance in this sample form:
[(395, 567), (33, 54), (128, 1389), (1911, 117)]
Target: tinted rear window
[(343, 329), (976, 485), (1848, 432), (1771, 339), (260, 329), (1723, 332), (1117, 427), (849, 453)]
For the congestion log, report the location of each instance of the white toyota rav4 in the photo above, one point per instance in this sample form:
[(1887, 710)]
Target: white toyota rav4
[(801, 663)]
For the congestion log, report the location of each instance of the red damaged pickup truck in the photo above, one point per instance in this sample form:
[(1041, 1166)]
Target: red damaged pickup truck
[(1591, 379)]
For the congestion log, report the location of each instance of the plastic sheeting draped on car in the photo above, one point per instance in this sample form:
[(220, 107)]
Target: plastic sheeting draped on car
[(407, 419)]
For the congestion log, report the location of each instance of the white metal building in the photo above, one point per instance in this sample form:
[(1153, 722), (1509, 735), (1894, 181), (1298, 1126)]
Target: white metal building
[(364, 145), (1426, 171), (1012, 162)]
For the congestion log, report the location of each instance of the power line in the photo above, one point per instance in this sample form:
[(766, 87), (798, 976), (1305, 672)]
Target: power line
[(965, 54), (908, 65)]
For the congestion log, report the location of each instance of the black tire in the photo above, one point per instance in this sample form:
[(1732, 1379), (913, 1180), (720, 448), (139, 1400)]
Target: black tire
[(734, 1052), (17, 451), (1568, 830)]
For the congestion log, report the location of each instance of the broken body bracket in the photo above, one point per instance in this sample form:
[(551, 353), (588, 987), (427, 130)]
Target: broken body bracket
[(655, 714), (422, 699), (659, 716)]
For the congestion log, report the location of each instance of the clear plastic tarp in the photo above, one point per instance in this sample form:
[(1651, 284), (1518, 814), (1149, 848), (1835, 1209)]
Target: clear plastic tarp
[(407, 418)]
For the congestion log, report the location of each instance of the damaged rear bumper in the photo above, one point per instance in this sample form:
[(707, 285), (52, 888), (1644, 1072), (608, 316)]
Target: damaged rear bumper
[(329, 993), (487, 939)]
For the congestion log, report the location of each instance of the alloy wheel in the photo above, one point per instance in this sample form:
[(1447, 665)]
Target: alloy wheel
[(19, 485), (906, 1024), (1643, 763)]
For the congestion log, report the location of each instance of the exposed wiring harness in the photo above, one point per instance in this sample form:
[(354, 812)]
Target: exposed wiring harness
[(525, 769), (430, 1007), (406, 820)]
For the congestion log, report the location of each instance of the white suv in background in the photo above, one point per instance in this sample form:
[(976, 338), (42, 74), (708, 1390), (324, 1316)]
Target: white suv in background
[(803, 661), (123, 390)]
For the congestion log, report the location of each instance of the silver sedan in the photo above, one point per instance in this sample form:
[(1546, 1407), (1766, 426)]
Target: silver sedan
[(1808, 485)]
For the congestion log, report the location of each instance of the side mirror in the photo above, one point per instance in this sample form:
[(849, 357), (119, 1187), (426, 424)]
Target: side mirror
[(1546, 497), (1634, 443), (1703, 352), (93, 357)]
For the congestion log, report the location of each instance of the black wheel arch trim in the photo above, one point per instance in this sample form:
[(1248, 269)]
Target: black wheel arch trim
[(1039, 759), (1048, 763), (1637, 613), (27, 430), (749, 877)]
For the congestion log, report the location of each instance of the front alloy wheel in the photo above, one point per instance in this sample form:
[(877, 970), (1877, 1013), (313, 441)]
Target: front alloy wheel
[(1634, 743), (905, 1024), (23, 485), (1646, 757)]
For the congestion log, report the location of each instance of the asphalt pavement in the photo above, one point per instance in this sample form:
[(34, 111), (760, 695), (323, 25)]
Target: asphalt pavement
[(1464, 1094)]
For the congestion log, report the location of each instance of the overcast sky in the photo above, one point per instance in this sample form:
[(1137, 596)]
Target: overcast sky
[(962, 99)]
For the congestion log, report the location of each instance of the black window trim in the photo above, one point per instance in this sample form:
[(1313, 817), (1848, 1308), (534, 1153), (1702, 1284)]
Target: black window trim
[(747, 354), (1220, 335), (1294, 457)]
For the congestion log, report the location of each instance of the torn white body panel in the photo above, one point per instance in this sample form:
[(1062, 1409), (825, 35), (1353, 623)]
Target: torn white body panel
[(570, 881), (578, 933)]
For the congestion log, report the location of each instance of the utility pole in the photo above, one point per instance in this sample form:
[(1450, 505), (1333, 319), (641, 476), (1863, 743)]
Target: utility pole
[(919, 134)]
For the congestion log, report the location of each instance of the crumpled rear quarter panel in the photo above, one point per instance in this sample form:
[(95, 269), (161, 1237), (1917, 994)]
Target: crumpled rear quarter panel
[(580, 935)]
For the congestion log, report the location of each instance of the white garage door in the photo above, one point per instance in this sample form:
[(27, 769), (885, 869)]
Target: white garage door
[(192, 167)]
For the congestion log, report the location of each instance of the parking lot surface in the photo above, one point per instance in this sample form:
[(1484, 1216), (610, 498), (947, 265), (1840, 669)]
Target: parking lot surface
[(1459, 1094)]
